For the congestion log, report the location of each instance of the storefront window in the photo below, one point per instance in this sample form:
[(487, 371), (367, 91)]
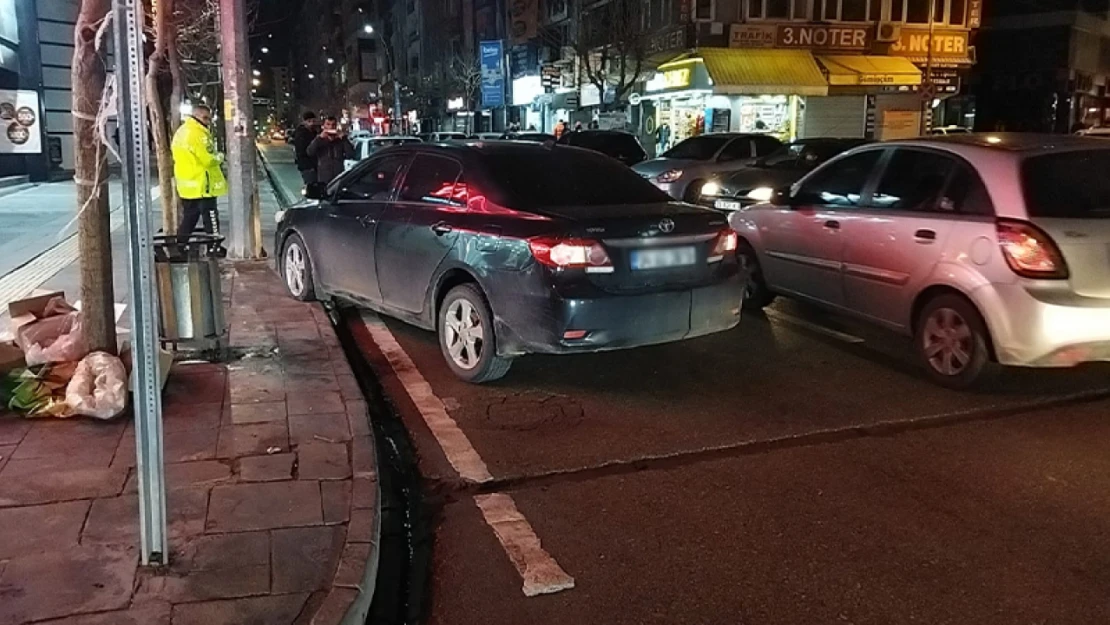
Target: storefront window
[(956, 12), (854, 11), (703, 10), (777, 9)]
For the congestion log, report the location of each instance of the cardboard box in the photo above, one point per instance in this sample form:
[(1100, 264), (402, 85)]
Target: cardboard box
[(11, 357)]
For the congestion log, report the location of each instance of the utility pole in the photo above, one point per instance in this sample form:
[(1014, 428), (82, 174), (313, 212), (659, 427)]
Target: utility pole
[(238, 113), (128, 22), (927, 102), (94, 236)]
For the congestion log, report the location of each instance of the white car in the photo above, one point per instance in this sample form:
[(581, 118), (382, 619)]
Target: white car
[(367, 145), (981, 247)]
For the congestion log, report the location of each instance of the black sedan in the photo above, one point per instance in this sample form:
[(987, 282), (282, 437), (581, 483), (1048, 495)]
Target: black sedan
[(753, 184), (507, 249), (623, 146)]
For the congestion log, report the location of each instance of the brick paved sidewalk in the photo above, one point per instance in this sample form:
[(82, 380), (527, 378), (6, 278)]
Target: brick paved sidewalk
[(271, 486)]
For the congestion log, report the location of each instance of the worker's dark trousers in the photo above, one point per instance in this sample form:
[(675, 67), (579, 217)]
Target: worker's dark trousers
[(192, 211)]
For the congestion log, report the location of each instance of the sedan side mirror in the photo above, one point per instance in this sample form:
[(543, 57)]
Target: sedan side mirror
[(781, 197), (316, 191)]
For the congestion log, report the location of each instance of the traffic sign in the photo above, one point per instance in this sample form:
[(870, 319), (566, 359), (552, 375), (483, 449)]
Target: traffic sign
[(928, 91)]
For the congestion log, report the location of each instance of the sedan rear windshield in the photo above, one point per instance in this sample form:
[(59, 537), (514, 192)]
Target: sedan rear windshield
[(567, 177), (697, 148), (1068, 184), (608, 143)]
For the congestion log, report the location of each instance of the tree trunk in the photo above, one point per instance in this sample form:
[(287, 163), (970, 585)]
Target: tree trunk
[(94, 236), (157, 113), (177, 90)]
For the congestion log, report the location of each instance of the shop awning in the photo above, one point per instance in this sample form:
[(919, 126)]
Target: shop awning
[(861, 70), (742, 71)]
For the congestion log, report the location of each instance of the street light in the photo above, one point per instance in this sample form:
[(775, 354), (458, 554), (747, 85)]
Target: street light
[(368, 29), (257, 72), (265, 50), (331, 61), (311, 76), (256, 82)]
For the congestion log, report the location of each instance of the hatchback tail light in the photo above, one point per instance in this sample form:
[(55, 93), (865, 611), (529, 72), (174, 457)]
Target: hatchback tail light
[(571, 254), (725, 243), (1030, 252)]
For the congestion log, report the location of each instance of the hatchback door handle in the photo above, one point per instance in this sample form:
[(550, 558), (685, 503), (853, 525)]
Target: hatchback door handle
[(832, 224), (925, 236), (441, 229)]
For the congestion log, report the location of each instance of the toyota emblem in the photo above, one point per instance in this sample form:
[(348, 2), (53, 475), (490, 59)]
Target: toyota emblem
[(666, 225)]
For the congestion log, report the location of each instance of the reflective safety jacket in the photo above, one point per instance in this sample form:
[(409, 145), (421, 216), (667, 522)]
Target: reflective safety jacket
[(196, 166)]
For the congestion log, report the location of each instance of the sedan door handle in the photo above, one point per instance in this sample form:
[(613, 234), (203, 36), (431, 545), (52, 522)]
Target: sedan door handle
[(832, 224), (441, 229), (925, 236), (367, 220)]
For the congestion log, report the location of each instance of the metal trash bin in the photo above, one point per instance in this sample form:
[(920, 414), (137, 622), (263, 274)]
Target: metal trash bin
[(190, 296)]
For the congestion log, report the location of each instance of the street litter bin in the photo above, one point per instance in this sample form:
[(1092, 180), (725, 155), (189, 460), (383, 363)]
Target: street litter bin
[(190, 297)]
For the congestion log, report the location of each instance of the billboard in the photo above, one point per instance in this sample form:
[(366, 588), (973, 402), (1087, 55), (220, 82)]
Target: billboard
[(491, 60), (20, 123)]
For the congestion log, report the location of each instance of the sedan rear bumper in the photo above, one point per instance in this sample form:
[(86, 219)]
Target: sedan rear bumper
[(529, 324)]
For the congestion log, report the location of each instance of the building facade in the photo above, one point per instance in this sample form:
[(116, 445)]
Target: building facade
[(1045, 66)]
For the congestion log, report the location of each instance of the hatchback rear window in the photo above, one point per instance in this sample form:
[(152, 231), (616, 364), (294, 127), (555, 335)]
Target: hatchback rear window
[(562, 177), (1068, 184)]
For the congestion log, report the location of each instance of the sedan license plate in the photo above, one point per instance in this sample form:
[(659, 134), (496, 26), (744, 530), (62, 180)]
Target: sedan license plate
[(661, 259), (726, 205)]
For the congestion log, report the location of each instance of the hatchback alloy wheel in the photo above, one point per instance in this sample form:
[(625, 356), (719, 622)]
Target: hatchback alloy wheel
[(465, 334), (952, 341), (948, 341)]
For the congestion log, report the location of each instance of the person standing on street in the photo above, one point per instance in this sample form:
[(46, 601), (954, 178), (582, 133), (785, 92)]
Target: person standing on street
[(196, 169), (302, 136), (329, 149)]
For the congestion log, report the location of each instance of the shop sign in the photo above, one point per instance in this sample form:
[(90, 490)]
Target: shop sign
[(678, 78), (493, 74), (823, 37), (751, 36), (20, 126), (975, 13), (945, 81), (666, 41), (947, 46)]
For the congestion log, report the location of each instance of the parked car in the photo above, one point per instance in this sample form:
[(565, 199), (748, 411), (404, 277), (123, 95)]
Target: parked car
[(756, 183), (950, 130), (682, 170), (568, 250), (366, 146), (440, 137), (1101, 132), (486, 136), (623, 146), (538, 137), (980, 247), (278, 134)]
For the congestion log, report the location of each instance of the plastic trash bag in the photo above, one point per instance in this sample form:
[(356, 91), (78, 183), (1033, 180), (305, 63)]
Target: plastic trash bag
[(99, 387), (53, 339)]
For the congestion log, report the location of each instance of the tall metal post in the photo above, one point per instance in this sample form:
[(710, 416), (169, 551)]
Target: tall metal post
[(239, 121), (128, 21), (927, 103)]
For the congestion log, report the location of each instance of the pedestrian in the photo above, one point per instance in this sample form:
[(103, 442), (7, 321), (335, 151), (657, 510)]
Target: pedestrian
[(329, 149), (594, 125), (577, 126), (304, 134), (196, 169), (560, 128)]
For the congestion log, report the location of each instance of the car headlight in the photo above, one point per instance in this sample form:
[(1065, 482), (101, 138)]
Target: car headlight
[(761, 194), (279, 215), (711, 188), (669, 176)]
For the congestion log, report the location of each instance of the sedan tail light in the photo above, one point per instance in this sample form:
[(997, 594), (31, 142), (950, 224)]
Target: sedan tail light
[(1030, 252), (571, 254), (725, 243)]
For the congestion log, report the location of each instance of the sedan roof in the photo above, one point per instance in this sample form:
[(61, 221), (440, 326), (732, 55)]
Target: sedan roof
[(1013, 141)]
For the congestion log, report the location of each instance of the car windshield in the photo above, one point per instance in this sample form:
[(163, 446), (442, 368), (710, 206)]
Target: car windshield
[(697, 148), (1068, 184), (563, 177)]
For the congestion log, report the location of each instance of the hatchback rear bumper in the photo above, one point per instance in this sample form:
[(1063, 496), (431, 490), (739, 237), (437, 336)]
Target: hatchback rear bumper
[(537, 324), (1030, 332)]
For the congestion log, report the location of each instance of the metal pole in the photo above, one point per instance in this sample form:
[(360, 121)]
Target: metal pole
[(239, 124), (144, 311), (927, 103)]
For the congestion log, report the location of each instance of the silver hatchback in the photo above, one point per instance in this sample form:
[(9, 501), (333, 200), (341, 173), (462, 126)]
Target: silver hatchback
[(982, 247)]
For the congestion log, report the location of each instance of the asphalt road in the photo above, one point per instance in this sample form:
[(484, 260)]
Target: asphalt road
[(795, 470)]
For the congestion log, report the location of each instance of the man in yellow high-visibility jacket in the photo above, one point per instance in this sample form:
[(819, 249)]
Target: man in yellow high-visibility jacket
[(196, 170)]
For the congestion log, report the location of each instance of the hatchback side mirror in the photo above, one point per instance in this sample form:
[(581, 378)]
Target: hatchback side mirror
[(316, 191)]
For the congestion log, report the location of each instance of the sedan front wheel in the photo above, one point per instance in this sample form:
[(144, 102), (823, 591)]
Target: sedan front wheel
[(466, 336), (296, 268)]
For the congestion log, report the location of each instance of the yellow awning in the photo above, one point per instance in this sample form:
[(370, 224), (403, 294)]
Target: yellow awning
[(865, 71), (763, 72)]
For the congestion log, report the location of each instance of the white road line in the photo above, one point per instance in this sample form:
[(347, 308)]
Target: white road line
[(809, 325), (456, 446), (541, 573)]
